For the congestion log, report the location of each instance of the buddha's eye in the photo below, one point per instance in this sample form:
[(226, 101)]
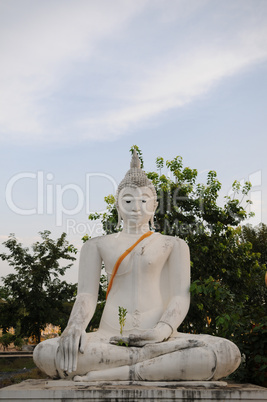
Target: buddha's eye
[(143, 200), (128, 201)]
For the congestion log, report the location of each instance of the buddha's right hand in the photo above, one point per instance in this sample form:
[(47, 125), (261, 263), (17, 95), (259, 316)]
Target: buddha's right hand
[(72, 341)]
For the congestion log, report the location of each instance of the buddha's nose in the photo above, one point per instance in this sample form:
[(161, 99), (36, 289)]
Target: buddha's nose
[(136, 206)]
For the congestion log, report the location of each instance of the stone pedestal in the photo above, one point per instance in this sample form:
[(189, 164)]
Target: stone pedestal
[(120, 391)]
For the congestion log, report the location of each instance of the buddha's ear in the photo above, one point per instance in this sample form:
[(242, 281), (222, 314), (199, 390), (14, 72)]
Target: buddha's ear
[(151, 221), (119, 218)]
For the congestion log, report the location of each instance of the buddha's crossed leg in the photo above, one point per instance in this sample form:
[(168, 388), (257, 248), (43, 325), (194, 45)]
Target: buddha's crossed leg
[(184, 357)]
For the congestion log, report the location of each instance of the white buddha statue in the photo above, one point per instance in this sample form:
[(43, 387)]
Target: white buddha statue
[(152, 283)]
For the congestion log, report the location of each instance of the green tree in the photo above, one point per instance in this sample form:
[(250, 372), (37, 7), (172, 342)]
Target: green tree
[(257, 236), (6, 340), (35, 294), (227, 273), (8, 313)]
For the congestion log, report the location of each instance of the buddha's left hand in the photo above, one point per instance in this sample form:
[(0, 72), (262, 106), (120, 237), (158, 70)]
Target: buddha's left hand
[(161, 332)]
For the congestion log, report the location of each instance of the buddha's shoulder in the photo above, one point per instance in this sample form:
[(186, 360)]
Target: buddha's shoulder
[(166, 239), (114, 238), (100, 240), (173, 241)]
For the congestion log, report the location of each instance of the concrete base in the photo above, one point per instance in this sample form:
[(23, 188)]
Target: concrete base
[(120, 391)]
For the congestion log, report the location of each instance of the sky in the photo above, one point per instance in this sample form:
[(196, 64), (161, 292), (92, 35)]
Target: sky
[(81, 81)]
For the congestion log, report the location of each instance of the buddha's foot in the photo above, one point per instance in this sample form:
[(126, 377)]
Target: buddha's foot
[(112, 374), (81, 378), (151, 351)]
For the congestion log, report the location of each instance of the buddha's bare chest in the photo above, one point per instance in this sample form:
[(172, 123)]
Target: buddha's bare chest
[(149, 255)]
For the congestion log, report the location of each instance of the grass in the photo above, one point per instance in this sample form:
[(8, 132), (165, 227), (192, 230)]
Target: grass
[(13, 365)]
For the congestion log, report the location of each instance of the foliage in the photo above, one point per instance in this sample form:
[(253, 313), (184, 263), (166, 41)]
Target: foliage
[(6, 340), (228, 289), (34, 295), (122, 318), (18, 343), (257, 236)]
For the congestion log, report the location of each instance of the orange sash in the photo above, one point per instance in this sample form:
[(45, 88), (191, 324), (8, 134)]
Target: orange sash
[(121, 258)]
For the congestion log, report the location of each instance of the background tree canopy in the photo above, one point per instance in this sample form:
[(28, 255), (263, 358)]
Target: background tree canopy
[(35, 295), (228, 292)]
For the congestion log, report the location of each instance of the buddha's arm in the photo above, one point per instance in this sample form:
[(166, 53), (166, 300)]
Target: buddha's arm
[(179, 283), (73, 337)]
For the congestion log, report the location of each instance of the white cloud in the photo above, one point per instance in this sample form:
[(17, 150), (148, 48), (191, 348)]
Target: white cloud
[(41, 48), (176, 82), (37, 44)]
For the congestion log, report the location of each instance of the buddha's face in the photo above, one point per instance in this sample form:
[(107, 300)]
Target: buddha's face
[(136, 205)]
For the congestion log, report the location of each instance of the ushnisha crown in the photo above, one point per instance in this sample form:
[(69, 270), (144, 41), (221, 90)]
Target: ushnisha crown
[(136, 177)]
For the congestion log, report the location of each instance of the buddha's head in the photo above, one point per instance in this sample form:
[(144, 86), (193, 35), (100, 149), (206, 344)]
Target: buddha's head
[(136, 197)]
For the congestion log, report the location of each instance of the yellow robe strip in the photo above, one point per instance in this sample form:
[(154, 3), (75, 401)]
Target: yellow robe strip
[(121, 258)]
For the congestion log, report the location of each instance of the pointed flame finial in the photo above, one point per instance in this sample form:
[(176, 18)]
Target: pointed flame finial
[(135, 162)]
